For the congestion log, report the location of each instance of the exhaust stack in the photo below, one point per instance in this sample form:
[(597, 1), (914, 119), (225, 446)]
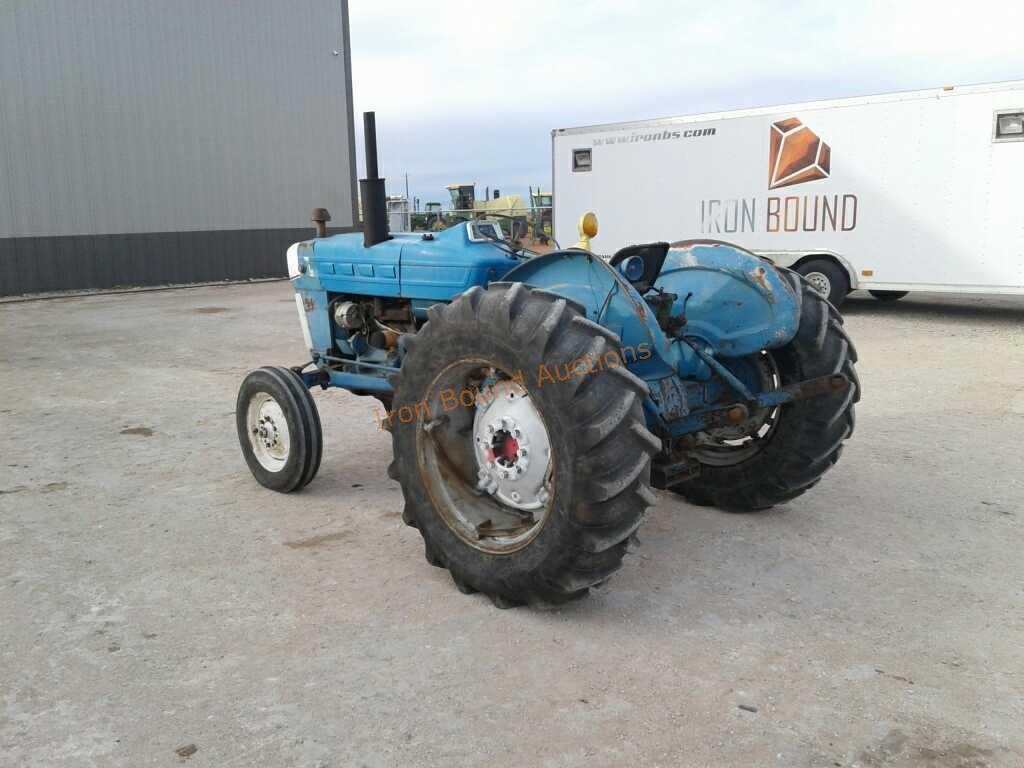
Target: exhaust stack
[(371, 189)]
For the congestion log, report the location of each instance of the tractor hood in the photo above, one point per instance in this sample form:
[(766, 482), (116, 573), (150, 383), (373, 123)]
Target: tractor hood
[(409, 265)]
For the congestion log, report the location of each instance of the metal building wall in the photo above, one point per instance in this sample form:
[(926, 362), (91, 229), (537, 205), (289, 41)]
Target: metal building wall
[(168, 141)]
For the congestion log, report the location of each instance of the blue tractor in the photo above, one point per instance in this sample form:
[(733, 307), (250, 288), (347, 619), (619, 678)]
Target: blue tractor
[(534, 401)]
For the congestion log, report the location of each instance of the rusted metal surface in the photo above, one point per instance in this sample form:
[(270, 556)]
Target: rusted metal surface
[(737, 414), (759, 276), (391, 338), (670, 395), (320, 217), (823, 385)]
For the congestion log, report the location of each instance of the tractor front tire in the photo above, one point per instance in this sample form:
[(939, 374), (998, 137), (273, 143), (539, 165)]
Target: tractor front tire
[(808, 438), (278, 429), (585, 431)]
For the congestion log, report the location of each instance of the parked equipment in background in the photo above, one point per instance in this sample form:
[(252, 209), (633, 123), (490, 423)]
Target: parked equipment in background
[(463, 196), (534, 401), (507, 208), (399, 214), (540, 218), (903, 192), (431, 219)]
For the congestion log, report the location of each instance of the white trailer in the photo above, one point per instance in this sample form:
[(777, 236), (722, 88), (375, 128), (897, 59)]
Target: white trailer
[(917, 191)]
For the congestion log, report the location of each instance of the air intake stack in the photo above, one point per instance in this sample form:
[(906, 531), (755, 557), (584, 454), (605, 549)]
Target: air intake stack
[(371, 189)]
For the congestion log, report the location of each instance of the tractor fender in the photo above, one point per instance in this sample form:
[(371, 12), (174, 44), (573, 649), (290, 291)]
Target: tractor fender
[(731, 299), (607, 299)]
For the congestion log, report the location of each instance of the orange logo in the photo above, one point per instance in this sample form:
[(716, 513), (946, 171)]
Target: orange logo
[(796, 154)]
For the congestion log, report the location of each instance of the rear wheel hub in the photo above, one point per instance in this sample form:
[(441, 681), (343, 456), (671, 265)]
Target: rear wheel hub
[(512, 448), (735, 443), (504, 448), (486, 462)]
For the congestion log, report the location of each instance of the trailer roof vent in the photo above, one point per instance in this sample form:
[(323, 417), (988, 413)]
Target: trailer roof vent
[(581, 160), (1009, 126)]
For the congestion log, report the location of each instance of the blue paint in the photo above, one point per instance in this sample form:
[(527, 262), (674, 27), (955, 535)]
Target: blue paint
[(738, 303), (729, 304), (359, 381), (608, 299), (407, 265)]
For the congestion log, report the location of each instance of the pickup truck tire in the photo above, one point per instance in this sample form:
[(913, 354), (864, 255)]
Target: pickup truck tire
[(597, 460), (808, 437)]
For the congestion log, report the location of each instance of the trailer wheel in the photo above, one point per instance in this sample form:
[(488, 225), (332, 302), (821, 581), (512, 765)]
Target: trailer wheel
[(888, 295), (792, 446), (828, 278), (524, 464), (278, 429)]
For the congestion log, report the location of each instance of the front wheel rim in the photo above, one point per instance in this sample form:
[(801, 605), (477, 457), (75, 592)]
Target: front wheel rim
[(267, 429)]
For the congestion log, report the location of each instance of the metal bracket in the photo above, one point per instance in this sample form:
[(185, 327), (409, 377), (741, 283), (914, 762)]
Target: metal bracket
[(669, 395), (668, 473), (724, 373), (737, 412), (316, 377)]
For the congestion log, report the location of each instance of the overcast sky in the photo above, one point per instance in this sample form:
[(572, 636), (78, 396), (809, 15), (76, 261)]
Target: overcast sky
[(469, 91)]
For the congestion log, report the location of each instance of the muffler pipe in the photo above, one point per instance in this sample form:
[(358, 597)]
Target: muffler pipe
[(371, 189)]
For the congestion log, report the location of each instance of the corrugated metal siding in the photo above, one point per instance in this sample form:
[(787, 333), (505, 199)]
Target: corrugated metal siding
[(44, 264), (123, 117)]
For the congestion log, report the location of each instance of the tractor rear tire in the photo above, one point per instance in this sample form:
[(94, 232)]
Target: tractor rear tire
[(598, 471), (279, 429), (808, 438)]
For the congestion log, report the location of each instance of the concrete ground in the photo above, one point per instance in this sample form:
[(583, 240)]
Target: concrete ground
[(153, 598)]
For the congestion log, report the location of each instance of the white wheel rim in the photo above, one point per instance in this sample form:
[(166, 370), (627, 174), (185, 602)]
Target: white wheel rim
[(268, 432), (494, 489), (513, 451), (820, 282)]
